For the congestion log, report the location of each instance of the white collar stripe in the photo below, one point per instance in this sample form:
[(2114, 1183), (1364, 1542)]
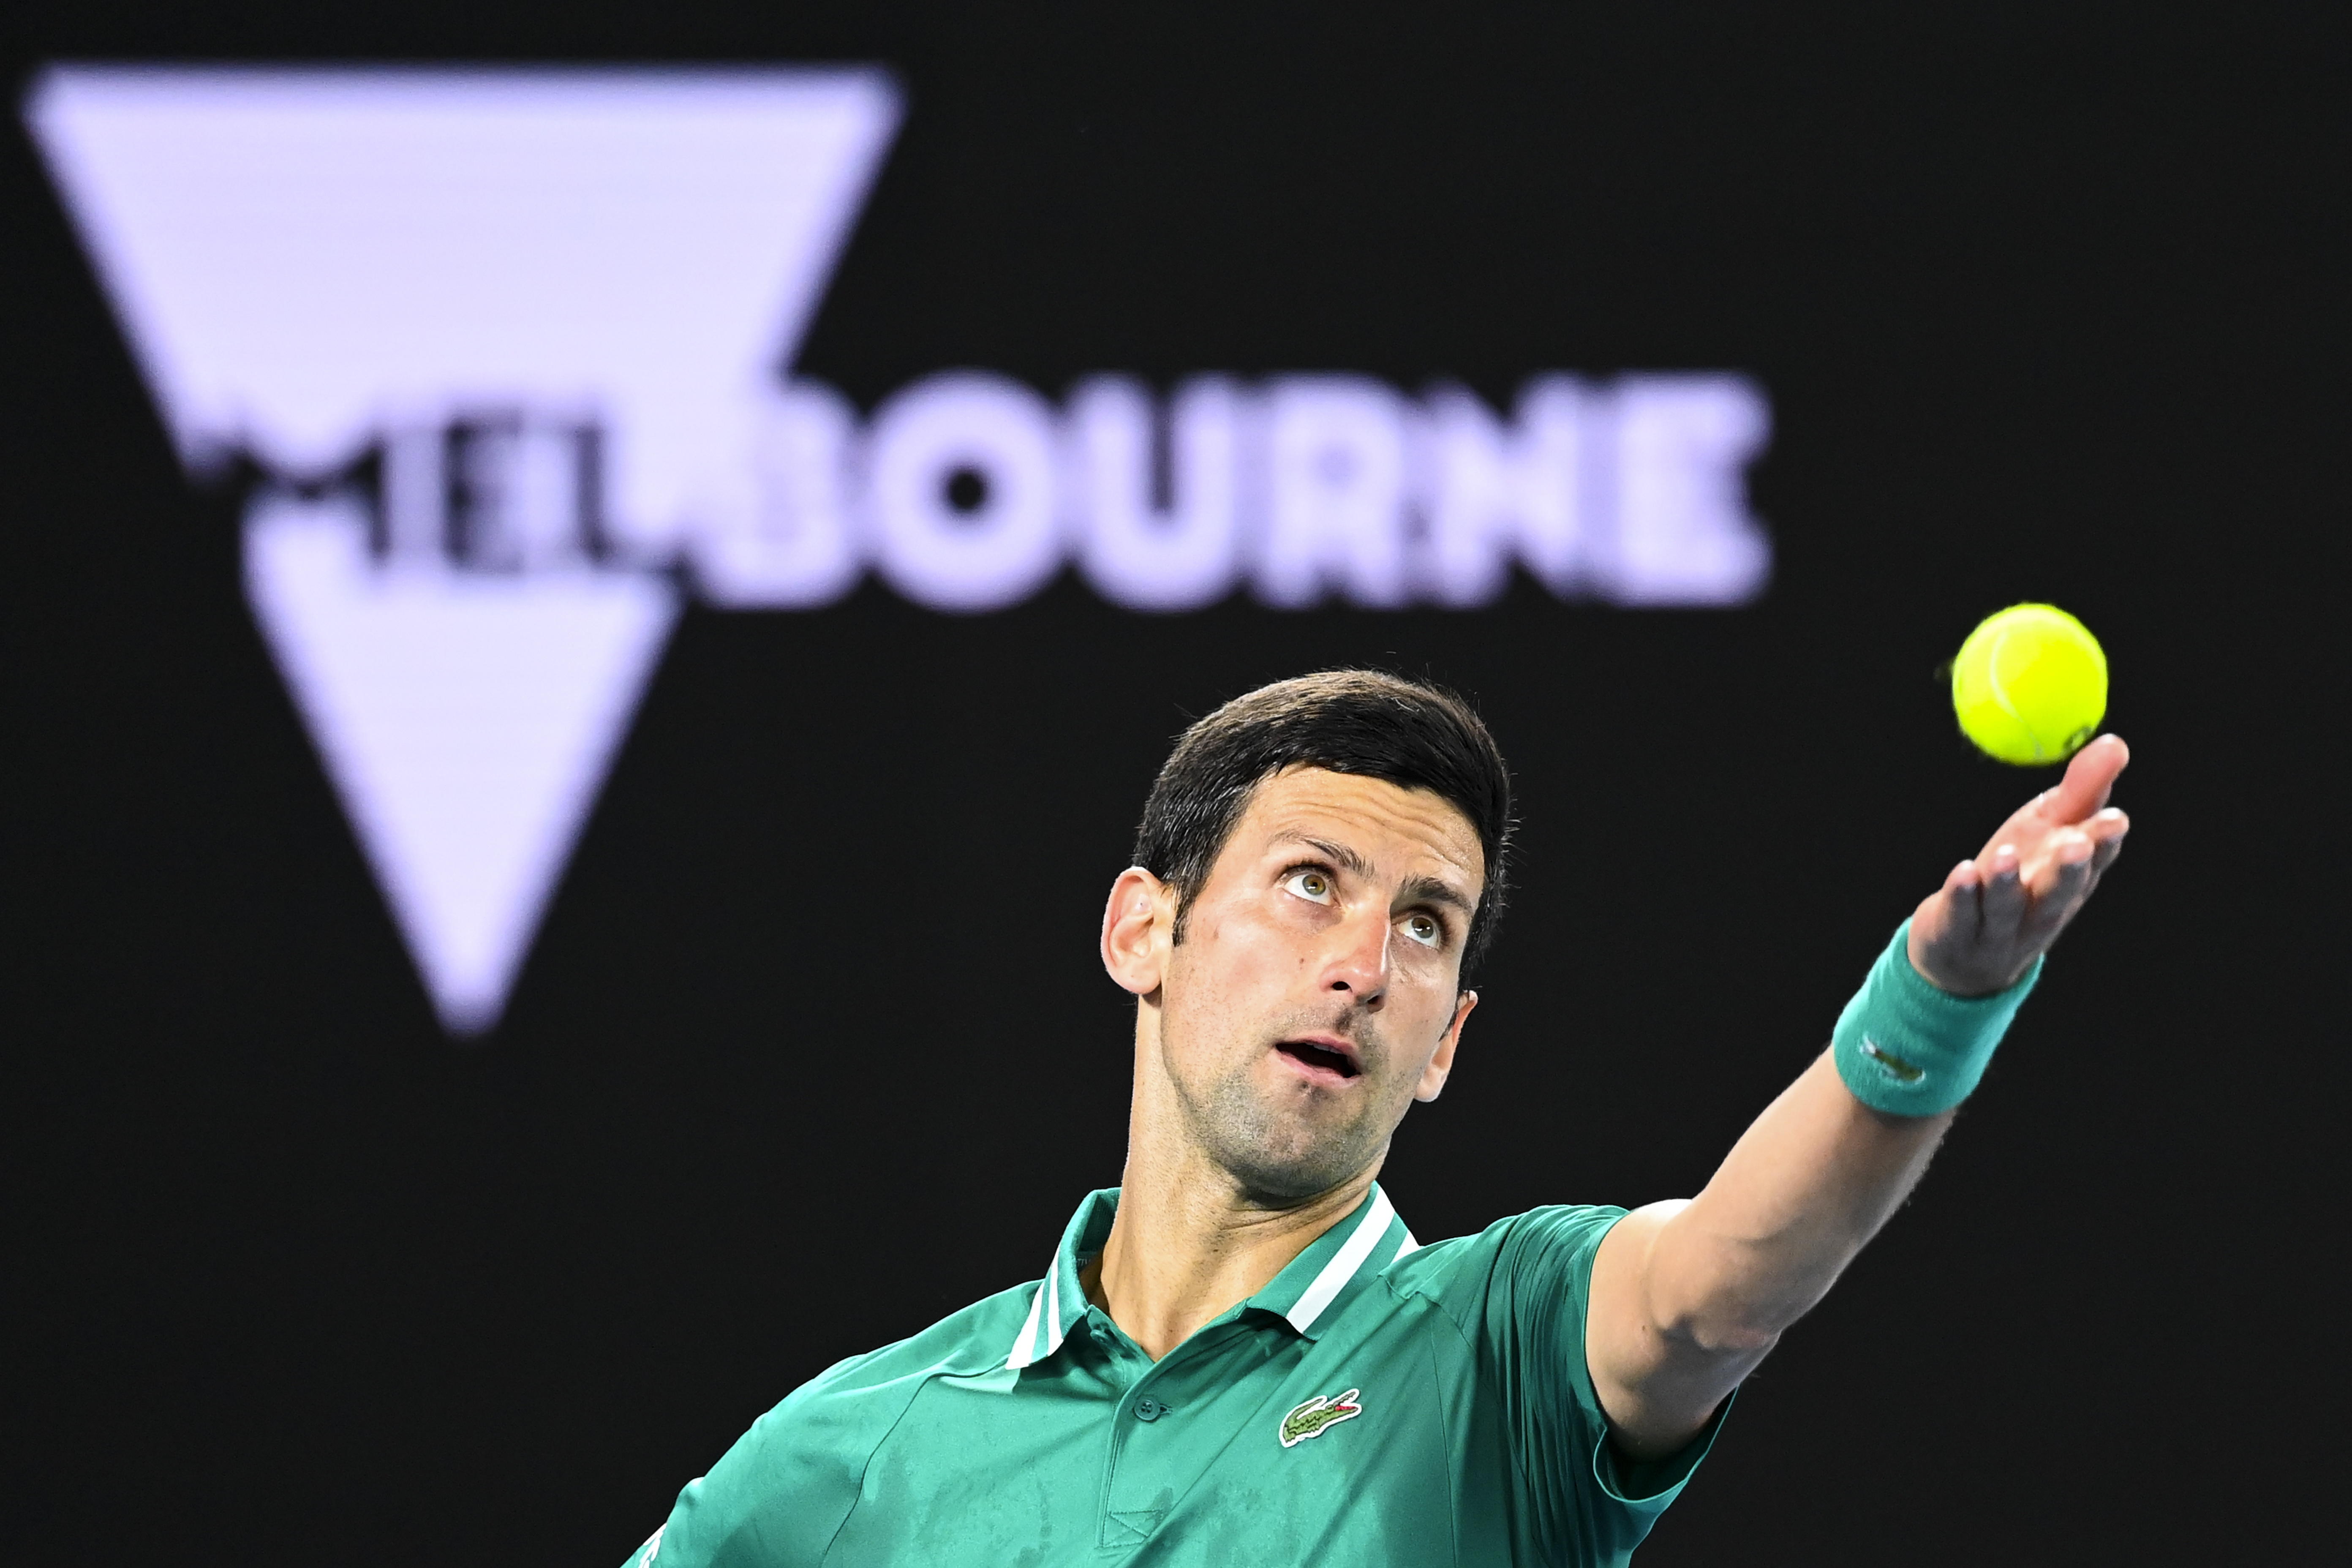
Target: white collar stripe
[(1022, 1343), (1408, 1250), (1054, 1325), (1344, 1263)]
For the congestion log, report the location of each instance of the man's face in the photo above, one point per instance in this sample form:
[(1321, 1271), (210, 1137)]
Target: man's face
[(1315, 993)]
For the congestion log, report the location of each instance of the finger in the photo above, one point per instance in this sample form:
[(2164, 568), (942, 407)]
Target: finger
[(2090, 777), (2107, 831), (2050, 915), (2068, 845), (2064, 884), (2030, 826), (2005, 897), (1964, 902)]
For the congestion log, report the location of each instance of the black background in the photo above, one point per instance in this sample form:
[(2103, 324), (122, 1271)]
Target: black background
[(814, 1045)]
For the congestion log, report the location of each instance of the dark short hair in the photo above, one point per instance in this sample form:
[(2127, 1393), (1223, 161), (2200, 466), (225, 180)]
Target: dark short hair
[(1363, 721)]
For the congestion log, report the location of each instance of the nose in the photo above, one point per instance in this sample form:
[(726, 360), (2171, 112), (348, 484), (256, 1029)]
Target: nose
[(1357, 964)]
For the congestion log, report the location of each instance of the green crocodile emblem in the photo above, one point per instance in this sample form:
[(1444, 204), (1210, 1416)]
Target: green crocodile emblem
[(1319, 1416)]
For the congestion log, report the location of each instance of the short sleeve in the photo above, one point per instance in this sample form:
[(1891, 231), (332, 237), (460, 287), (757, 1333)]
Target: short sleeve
[(776, 1499), (1527, 1316)]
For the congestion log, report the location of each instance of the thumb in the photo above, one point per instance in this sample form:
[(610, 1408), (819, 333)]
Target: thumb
[(2090, 778)]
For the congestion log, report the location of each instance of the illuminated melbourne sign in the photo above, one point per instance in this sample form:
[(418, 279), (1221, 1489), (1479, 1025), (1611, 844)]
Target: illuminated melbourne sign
[(510, 351)]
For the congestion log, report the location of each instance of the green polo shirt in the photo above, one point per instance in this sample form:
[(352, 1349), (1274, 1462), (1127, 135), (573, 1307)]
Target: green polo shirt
[(1378, 1402)]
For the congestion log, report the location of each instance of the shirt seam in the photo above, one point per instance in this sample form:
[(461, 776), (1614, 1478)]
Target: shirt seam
[(1401, 1295), (1494, 1389), (867, 1464), (1492, 1385), (1453, 1492)]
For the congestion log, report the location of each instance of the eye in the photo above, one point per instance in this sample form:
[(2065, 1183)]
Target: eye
[(1312, 886), (1424, 930)]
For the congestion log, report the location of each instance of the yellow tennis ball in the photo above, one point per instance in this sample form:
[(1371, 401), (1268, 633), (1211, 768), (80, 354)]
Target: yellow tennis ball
[(2029, 685)]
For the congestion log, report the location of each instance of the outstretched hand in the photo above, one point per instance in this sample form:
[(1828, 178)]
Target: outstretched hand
[(1997, 913)]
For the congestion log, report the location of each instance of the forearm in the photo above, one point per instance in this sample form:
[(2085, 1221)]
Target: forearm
[(1819, 1171), (1689, 1296), (1804, 1188)]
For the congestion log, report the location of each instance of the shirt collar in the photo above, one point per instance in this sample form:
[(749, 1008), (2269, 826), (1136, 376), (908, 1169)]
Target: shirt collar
[(1359, 1246)]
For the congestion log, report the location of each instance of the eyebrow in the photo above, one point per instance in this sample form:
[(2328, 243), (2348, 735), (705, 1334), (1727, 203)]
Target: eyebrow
[(1417, 890), (1430, 891)]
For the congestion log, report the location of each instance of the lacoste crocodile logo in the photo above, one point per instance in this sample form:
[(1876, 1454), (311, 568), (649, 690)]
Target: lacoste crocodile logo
[(1319, 1416), (1897, 1068)]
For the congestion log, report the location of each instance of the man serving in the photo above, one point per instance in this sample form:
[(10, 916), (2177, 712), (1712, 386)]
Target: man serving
[(1241, 1355)]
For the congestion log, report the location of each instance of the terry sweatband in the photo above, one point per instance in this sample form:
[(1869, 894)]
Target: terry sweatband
[(1907, 1048)]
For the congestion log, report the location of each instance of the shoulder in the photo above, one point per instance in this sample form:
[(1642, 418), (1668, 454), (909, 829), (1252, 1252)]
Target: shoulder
[(963, 1345), (777, 1497), (850, 1408), (1552, 1231), (1550, 1247)]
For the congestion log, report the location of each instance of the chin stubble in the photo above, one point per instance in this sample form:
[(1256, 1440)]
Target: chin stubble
[(1275, 1154)]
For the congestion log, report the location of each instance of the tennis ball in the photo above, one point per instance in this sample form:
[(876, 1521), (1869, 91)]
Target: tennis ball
[(2029, 685)]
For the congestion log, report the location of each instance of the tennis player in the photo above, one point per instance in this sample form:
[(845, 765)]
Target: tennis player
[(1242, 1355)]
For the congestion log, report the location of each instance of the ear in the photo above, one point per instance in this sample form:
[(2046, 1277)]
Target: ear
[(1440, 1065), (1137, 923)]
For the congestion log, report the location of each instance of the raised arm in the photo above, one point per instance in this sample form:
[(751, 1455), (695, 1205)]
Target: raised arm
[(1687, 1296)]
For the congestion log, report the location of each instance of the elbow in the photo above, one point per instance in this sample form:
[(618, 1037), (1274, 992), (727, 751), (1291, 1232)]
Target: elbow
[(1728, 1337), (1740, 1316), (1730, 1296)]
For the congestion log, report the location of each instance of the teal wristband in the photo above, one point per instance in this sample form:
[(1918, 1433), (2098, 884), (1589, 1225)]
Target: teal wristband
[(1907, 1048)]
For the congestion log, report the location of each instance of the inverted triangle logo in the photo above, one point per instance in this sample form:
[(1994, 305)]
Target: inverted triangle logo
[(467, 724), (497, 341)]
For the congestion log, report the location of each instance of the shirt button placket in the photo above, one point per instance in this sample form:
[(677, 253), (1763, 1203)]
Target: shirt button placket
[(1127, 1528)]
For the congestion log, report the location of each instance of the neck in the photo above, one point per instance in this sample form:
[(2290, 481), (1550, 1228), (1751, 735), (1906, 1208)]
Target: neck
[(1190, 1241)]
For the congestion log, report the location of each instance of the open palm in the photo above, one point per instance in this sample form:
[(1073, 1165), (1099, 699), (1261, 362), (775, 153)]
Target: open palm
[(1996, 914)]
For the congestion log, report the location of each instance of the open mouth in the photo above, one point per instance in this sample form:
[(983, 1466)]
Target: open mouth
[(1320, 1058)]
